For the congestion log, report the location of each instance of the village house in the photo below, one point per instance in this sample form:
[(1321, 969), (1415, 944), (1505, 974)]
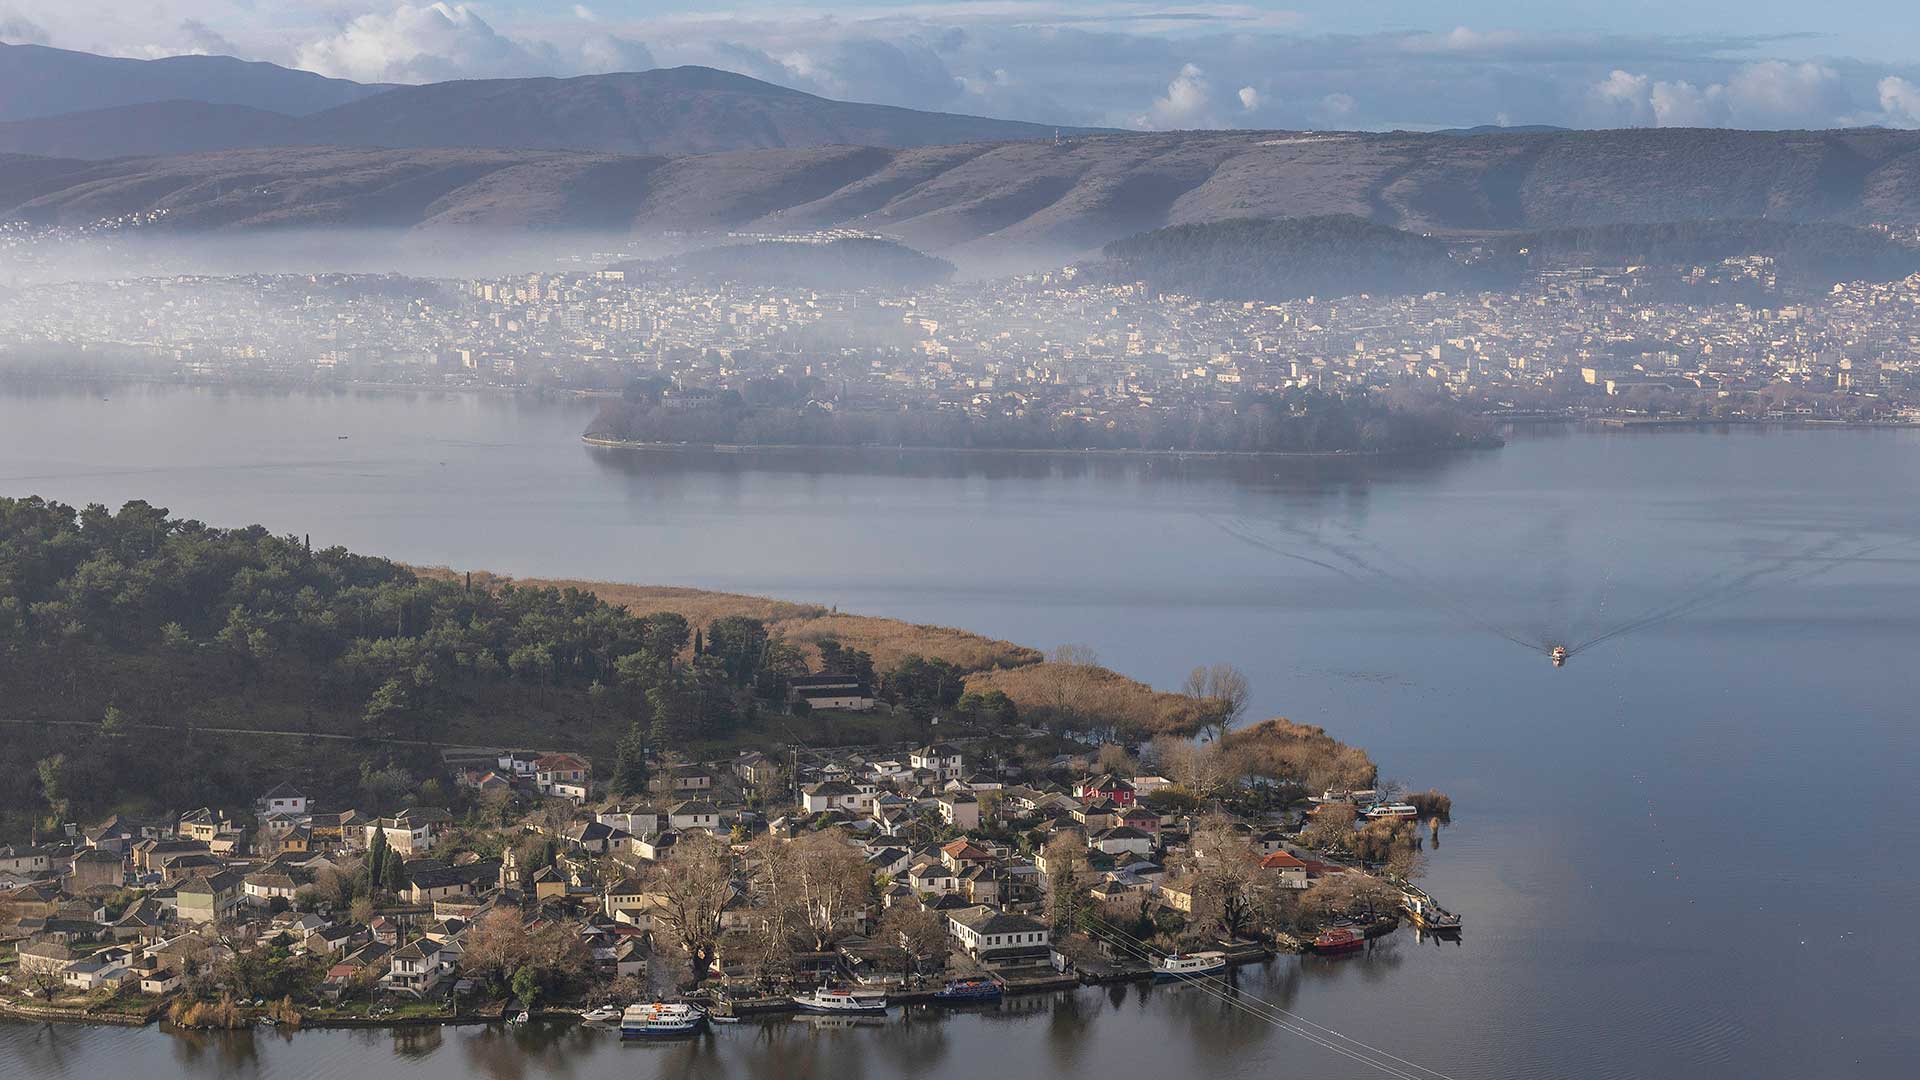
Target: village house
[(632, 820), (273, 882), (756, 768), (207, 898), (1122, 839), (943, 761), (834, 795), (830, 691), (694, 814), (283, 799), (1105, 788), (996, 938), (412, 831), (27, 862), (683, 780), (95, 868), (562, 776), (417, 967), (960, 809), (1290, 871)]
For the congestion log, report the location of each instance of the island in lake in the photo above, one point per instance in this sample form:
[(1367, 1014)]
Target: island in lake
[(249, 781)]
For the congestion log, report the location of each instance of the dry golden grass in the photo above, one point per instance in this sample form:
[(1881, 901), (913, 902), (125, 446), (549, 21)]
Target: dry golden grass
[(1083, 691), (888, 641)]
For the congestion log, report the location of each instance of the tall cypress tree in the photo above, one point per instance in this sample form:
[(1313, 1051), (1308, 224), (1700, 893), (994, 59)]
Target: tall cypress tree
[(376, 858), (630, 762)]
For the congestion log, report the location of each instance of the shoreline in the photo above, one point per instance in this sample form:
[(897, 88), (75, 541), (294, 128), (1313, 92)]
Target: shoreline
[(604, 443)]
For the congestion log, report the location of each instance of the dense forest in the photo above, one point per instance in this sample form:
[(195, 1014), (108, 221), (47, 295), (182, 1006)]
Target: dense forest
[(136, 621), (1290, 422), (1287, 259), (850, 263)]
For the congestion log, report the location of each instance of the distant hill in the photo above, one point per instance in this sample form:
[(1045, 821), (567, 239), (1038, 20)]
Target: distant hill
[(36, 81), (851, 263), (671, 111), (1030, 199)]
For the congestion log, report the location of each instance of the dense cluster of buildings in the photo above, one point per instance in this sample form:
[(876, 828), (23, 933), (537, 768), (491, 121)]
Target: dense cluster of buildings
[(1624, 339), (137, 906)]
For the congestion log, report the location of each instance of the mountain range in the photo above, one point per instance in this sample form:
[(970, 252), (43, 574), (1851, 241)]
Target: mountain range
[(126, 108), (37, 81)]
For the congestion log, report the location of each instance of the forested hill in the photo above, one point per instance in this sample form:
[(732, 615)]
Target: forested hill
[(144, 619), (1296, 421)]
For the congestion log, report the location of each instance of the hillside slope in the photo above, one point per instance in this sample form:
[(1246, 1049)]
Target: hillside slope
[(990, 199)]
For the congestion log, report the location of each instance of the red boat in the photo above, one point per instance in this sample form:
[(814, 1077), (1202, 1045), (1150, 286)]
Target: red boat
[(1339, 939)]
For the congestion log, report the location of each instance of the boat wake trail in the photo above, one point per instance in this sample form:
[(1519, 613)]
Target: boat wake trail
[(1350, 562), (1360, 569)]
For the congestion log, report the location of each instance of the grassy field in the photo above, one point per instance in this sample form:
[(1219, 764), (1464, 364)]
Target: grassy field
[(888, 641)]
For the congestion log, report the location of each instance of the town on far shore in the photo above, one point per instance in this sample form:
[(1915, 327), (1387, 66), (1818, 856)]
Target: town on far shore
[(520, 883)]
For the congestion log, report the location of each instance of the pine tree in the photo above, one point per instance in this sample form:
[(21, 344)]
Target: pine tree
[(699, 645)]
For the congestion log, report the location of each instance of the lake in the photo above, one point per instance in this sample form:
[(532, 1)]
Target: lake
[(1689, 852)]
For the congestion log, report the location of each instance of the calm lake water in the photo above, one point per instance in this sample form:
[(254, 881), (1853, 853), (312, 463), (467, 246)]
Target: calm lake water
[(1690, 852)]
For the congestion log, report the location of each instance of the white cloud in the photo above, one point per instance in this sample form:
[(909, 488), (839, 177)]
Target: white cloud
[(1900, 100), (1250, 99), (1186, 104), (1765, 94), (421, 43)]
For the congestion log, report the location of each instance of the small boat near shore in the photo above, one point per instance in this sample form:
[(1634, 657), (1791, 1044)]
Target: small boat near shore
[(969, 989), (661, 1021), (1190, 965), (837, 1001), (1338, 939), (600, 1015), (1426, 913)]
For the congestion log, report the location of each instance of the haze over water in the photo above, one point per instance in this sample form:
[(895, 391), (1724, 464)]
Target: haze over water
[(1687, 853)]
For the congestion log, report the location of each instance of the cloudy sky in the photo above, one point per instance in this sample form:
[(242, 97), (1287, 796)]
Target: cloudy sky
[(1308, 63)]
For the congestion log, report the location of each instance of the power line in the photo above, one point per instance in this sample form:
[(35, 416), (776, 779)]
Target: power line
[(1147, 951)]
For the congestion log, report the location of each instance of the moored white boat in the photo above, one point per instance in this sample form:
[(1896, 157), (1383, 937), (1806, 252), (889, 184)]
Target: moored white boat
[(1190, 965), (835, 1001), (661, 1021), (600, 1015)]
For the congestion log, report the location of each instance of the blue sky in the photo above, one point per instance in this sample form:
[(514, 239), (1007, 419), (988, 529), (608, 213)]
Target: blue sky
[(1309, 63)]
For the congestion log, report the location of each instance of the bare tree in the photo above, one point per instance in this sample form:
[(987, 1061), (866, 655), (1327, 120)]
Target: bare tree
[(691, 894), (1331, 827), (919, 935), (1228, 686), (1230, 891), (832, 883), (1067, 881)]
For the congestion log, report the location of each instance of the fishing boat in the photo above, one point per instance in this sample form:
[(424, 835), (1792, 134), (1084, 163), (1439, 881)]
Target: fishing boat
[(1190, 965), (661, 1021), (970, 988), (520, 1018), (1338, 939), (835, 1001), (600, 1015), (1559, 655), (1426, 913)]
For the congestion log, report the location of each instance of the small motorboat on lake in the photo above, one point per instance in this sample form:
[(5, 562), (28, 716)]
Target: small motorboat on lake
[(1559, 655), (600, 1015), (1338, 939), (1190, 965), (969, 989)]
